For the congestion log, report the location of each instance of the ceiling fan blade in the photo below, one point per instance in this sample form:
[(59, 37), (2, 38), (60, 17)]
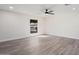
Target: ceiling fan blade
[(51, 13)]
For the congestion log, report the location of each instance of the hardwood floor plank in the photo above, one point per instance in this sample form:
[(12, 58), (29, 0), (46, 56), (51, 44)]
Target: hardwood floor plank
[(38, 45)]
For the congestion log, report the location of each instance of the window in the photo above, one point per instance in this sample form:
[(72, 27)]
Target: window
[(33, 26)]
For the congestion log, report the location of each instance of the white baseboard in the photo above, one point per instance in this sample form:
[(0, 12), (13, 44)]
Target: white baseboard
[(9, 39), (37, 35), (72, 37), (16, 38)]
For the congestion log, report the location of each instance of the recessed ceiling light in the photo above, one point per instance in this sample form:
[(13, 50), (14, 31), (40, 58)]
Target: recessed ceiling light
[(74, 8), (11, 7)]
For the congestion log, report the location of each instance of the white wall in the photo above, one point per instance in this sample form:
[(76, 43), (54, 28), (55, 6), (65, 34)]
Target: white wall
[(15, 25), (64, 23)]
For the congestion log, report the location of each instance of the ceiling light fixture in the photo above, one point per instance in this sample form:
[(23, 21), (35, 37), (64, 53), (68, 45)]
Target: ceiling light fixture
[(74, 8), (11, 7)]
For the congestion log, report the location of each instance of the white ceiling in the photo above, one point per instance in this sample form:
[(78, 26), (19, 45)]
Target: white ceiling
[(36, 9), (26, 8)]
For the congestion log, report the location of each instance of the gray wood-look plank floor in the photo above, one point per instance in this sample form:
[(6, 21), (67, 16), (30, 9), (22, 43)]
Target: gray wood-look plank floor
[(50, 45)]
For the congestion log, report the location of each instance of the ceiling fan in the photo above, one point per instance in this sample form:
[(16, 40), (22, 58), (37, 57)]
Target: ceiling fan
[(47, 11)]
